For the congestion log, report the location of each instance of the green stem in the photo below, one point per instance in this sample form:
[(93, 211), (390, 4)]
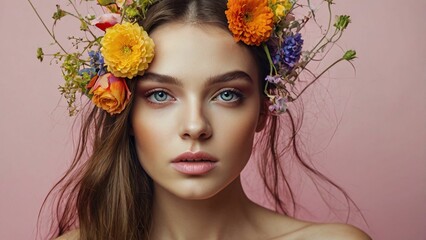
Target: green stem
[(271, 63), (328, 29), (313, 54), (47, 29), (316, 78), (81, 18)]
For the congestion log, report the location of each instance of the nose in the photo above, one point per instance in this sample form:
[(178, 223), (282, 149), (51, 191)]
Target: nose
[(195, 124)]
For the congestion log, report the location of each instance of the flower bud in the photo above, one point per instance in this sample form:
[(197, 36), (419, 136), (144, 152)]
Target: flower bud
[(342, 22), (349, 55), (132, 12), (59, 13)]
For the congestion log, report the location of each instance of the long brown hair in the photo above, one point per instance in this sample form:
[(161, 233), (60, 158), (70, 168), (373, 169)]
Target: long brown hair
[(108, 195)]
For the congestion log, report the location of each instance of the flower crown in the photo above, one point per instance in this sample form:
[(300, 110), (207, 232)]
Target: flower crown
[(273, 24), (103, 63)]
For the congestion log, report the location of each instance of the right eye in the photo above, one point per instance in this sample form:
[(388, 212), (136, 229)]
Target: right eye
[(159, 96)]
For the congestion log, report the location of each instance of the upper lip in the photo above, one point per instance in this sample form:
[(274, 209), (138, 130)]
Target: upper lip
[(195, 156)]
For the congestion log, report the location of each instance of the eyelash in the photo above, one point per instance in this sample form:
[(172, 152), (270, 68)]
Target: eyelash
[(151, 94), (235, 93)]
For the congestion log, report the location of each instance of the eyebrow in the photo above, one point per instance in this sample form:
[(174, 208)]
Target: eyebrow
[(229, 76), (161, 78), (217, 79)]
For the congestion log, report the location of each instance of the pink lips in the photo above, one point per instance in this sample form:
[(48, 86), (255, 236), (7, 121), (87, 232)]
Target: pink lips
[(197, 163)]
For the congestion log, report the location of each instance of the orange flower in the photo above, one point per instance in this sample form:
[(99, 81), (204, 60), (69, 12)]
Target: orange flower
[(250, 21), (110, 93)]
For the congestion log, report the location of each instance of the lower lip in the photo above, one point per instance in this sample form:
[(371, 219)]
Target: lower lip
[(194, 168)]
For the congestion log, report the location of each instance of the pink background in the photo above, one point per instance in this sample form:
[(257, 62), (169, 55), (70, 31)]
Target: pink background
[(377, 154)]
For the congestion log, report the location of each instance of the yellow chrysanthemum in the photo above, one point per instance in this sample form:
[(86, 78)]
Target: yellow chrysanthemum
[(127, 50), (281, 8), (250, 21)]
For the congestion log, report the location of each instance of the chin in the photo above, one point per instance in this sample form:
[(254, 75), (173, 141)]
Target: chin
[(196, 189), (195, 195)]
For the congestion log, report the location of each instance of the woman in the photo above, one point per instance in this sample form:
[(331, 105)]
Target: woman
[(166, 163)]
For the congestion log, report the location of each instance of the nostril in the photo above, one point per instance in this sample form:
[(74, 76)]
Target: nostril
[(197, 131), (195, 122)]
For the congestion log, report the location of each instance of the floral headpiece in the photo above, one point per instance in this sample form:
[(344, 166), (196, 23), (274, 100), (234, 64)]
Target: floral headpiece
[(273, 25), (114, 49)]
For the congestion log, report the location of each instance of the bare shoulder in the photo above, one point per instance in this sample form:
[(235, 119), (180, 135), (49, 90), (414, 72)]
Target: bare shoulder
[(71, 235), (282, 227), (329, 231)]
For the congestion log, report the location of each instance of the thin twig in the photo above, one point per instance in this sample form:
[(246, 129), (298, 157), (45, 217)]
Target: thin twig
[(313, 81), (47, 29)]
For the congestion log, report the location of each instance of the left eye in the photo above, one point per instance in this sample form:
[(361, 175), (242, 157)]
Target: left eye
[(229, 96), (159, 97)]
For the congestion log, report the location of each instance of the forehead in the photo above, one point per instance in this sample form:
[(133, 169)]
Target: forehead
[(198, 52)]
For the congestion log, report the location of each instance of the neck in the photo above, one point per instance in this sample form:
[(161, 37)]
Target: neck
[(212, 218)]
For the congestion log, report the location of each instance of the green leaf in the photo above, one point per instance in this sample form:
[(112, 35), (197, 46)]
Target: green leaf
[(40, 54), (83, 25)]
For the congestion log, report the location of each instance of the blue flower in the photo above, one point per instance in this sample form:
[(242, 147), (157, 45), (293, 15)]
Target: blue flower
[(289, 53), (97, 62), (91, 72), (97, 65)]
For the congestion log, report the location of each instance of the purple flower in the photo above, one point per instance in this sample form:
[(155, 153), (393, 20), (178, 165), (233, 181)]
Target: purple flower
[(279, 105), (273, 79), (289, 53)]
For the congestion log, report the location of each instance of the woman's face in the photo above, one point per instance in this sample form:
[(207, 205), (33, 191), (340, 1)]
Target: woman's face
[(196, 110)]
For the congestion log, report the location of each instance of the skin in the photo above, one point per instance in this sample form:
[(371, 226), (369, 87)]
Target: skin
[(170, 118)]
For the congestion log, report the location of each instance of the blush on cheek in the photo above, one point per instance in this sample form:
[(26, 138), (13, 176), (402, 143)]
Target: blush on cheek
[(239, 134)]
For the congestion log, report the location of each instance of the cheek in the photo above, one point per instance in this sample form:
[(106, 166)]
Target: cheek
[(236, 133), (151, 132)]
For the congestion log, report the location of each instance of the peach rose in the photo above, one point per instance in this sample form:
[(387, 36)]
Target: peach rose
[(110, 93)]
